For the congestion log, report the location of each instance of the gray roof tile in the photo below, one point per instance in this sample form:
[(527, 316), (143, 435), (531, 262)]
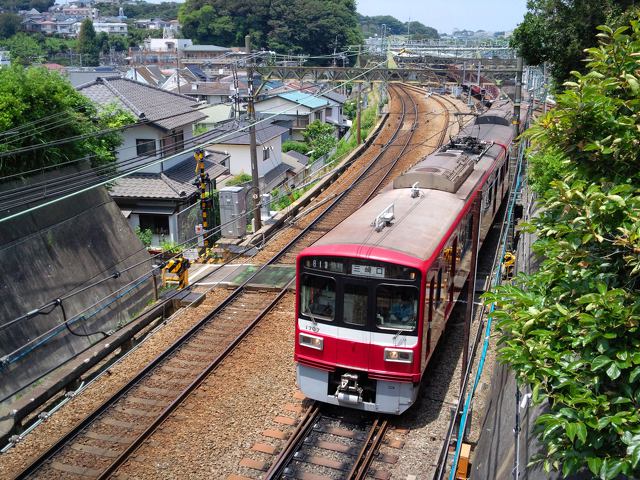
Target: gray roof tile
[(164, 109)]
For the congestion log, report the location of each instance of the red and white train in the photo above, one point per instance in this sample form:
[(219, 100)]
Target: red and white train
[(375, 293)]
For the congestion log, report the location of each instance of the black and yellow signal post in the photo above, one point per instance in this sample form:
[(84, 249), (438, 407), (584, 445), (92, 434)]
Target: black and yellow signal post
[(206, 198), (176, 270)]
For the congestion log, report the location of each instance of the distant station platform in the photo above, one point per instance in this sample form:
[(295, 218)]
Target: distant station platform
[(272, 276)]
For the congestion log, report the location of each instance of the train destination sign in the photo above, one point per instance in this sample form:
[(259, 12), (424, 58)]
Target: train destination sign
[(367, 271)]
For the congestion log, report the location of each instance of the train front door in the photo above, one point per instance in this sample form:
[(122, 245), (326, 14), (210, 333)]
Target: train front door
[(353, 334)]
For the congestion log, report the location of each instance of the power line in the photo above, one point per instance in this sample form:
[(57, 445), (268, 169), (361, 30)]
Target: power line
[(216, 140)]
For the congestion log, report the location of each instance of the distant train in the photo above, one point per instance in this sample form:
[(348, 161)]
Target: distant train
[(375, 293)]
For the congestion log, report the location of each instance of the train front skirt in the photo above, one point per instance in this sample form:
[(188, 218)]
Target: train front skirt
[(390, 397)]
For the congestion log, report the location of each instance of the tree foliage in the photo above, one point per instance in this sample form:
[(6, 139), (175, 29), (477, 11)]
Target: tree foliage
[(29, 95), (9, 24), (375, 25), (17, 5), (320, 137), (297, 26), (88, 44), (558, 32), (572, 329), (24, 49)]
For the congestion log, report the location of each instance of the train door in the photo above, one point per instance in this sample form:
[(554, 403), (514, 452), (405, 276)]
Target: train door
[(437, 322), (426, 324), (452, 270), (353, 333)]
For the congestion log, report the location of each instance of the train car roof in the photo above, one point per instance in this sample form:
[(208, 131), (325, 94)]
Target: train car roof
[(418, 240), (445, 180)]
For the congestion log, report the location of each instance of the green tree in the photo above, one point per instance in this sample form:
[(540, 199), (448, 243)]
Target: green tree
[(9, 24), (29, 95), (320, 137), (24, 49), (558, 31), (88, 45), (309, 26), (572, 329)]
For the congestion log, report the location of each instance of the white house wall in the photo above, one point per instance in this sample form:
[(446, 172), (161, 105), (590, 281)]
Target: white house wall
[(240, 157), (277, 105), (128, 150)]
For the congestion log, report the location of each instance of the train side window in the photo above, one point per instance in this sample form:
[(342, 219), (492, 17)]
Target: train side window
[(439, 288), (355, 304), (432, 288), (318, 296)]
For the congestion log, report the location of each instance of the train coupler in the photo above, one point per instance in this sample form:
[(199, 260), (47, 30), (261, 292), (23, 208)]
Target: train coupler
[(349, 390)]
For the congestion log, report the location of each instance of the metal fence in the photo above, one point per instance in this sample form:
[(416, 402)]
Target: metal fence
[(187, 220)]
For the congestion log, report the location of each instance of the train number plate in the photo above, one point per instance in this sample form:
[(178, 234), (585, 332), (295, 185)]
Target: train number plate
[(367, 271)]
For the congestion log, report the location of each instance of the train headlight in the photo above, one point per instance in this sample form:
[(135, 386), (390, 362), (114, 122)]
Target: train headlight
[(396, 355), (311, 341)]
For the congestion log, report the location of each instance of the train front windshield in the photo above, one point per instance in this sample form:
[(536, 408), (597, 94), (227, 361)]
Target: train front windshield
[(360, 294)]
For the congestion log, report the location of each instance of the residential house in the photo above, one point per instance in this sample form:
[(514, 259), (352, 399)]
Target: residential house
[(148, 74), (81, 75), (80, 12), (202, 53), (111, 28), (213, 93), (5, 58), (166, 202), (160, 51), (183, 76), (293, 109), (233, 137), (164, 129), (334, 109)]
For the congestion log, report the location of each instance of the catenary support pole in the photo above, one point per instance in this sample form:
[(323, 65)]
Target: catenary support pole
[(518, 98), (251, 115)]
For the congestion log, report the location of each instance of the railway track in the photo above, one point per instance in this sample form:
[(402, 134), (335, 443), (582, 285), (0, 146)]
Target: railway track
[(104, 440), (327, 446)]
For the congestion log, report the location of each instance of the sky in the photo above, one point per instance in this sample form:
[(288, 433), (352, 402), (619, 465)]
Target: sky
[(445, 16)]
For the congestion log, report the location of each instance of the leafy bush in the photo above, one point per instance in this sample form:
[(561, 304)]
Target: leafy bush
[(299, 147), (239, 179), (572, 329), (145, 236)]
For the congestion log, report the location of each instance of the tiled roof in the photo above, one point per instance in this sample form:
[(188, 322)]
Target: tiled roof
[(174, 184), (304, 98), (335, 96), (164, 109), (264, 133), (299, 157)]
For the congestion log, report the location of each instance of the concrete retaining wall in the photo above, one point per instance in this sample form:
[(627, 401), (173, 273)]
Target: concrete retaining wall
[(47, 254)]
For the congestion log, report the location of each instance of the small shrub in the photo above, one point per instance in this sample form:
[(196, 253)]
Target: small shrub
[(239, 179), (145, 236)]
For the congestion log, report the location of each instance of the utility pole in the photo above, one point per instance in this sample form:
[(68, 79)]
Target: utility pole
[(515, 121), (251, 115), (178, 67), (358, 108)]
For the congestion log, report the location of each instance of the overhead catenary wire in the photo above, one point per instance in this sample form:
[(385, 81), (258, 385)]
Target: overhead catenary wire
[(212, 232), (216, 140)]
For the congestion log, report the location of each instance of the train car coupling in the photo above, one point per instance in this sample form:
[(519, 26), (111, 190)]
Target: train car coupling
[(349, 390)]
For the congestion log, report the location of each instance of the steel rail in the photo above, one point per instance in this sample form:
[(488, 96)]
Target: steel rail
[(369, 449), (310, 418), (93, 416), (192, 386)]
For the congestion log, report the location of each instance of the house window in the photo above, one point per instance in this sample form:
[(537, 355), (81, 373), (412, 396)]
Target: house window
[(266, 153), (318, 116), (158, 224), (173, 143), (145, 146)]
